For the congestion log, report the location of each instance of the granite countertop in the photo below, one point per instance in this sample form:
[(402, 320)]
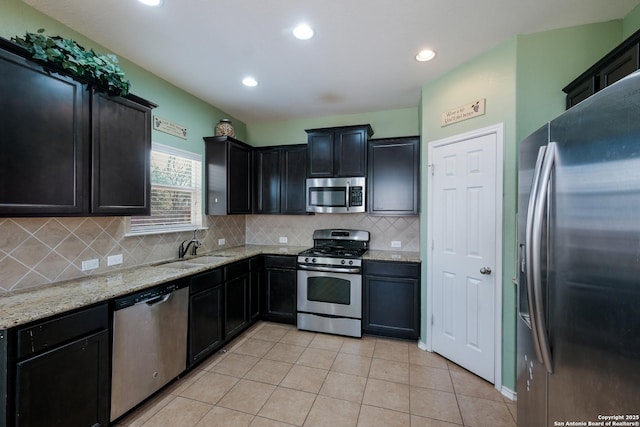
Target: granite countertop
[(404, 256), (20, 307)]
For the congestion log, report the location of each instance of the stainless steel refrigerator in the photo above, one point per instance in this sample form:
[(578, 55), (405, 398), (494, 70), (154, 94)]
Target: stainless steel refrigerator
[(578, 332)]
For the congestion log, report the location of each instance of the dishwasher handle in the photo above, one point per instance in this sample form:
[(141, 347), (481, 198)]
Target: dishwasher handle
[(155, 300), (150, 297)]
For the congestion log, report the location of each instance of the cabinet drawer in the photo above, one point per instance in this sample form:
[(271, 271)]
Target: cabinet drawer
[(57, 331), (392, 269), (206, 280), (280, 261), (236, 269)]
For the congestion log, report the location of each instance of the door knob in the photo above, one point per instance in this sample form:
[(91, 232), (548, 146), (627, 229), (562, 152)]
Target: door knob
[(485, 270)]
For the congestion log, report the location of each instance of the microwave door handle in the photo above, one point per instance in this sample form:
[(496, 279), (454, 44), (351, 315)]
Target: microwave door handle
[(528, 262), (347, 198), (538, 219)]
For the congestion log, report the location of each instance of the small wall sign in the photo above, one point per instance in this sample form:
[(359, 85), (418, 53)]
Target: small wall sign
[(166, 126), (464, 112)]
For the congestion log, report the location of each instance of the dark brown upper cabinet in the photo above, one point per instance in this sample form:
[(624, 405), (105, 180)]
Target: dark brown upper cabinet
[(620, 62), (67, 150), (280, 174), (43, 140), (121, 148), (227, 176), (337, 151), (394, 176)]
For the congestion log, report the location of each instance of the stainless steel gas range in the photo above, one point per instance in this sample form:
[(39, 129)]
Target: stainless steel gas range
[(330, 282)]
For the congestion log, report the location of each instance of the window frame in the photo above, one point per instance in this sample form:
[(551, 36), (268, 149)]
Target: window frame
[(197, 214)]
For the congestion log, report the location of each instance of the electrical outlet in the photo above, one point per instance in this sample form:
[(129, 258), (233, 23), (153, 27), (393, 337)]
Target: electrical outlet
[(284, 240), (114, 259), (90, 264), (221, 242), (396, 244)]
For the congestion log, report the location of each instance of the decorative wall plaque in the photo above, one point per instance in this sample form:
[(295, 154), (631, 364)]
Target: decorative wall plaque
[(166, 126), (464, 112)]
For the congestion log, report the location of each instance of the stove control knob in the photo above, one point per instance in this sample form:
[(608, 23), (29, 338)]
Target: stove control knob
[(351, 262), (306, 259), (313, 260)]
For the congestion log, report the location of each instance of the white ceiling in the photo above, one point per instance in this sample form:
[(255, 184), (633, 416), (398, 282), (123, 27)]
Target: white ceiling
[(361, 60)]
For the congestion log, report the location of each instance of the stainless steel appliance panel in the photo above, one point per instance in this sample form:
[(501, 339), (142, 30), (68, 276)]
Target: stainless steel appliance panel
[(583, 264), (336, 195), (594, 303), (334, 294), (330, 325), (149, 348)]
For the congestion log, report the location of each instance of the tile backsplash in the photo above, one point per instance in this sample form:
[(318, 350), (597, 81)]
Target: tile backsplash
[(39, 251), (298, 229)]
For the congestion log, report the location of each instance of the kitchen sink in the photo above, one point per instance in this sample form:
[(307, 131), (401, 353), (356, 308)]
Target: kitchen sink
[(180, 265), (207, 259), (194, 262)]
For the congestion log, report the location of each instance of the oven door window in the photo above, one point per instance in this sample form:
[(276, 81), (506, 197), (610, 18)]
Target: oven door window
[(329, 290), (328, 196)]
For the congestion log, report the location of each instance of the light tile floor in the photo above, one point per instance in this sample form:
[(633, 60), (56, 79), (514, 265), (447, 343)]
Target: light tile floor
[(276, 376)]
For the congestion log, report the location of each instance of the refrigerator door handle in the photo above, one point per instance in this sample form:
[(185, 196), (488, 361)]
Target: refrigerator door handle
[(536, 246), (528, 263)]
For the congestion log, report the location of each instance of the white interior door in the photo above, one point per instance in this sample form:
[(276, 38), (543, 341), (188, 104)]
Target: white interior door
[(464, 259)]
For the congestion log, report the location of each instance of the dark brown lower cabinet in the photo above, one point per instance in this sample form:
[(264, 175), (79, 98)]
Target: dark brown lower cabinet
[(206, 332), (222, 304), (61, 375), (391, 305), (280, 288), (236, 296), (256, 265)]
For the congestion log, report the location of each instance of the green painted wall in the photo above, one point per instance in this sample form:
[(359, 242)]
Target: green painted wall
[(400, 122), (549, 61), (631, 22), (175, 105)]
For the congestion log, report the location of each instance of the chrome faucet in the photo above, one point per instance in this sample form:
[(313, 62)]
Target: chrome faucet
[(182, 250)]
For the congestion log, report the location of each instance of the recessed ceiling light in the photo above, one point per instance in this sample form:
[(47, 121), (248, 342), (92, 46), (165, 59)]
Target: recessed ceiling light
[(303, 32), (425, 55), (249, 81), (151, 2)]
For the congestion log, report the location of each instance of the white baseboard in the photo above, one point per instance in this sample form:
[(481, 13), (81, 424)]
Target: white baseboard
[(508, 393)]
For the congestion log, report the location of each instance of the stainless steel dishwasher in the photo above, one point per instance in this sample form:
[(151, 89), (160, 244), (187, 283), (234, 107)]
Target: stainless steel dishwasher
[(149, 343)]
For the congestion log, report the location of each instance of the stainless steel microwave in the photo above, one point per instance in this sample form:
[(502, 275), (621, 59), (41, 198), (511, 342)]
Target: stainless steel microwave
[(336, 195)]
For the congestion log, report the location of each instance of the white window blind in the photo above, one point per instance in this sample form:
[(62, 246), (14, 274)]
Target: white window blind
[(176, 193)]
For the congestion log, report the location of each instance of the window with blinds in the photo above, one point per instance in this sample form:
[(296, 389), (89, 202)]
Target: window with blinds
[(176, 193)]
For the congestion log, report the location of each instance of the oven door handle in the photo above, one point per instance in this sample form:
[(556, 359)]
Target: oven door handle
[(328, 269)]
